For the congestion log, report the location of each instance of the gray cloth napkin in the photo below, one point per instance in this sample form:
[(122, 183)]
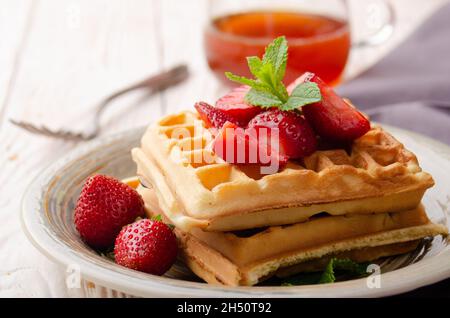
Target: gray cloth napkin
[(410, 88)]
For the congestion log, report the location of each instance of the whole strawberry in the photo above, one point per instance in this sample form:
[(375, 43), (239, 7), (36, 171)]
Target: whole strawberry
[(146, 245), (104, 206)]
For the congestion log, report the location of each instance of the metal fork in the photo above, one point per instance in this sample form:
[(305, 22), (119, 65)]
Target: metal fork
[(154, 83)]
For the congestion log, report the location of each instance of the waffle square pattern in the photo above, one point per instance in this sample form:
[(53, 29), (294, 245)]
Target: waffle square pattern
[(239, 227), (199, 189)]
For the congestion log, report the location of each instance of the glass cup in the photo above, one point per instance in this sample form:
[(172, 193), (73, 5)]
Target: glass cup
[(317, 31)]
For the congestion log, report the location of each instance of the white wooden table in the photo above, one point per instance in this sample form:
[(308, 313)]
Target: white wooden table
[(58, 58)]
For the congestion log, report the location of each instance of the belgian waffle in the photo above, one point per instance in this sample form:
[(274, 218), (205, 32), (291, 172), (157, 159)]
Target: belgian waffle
[(195, 188), (247, 257)]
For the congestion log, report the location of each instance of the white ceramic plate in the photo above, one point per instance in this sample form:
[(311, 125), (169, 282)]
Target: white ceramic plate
[(47, 219)]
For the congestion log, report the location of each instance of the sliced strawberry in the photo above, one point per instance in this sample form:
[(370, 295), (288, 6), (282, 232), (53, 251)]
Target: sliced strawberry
[(239, 146), (214, 117), (332, 118), (234, 105), (296, 137), (232, 145)]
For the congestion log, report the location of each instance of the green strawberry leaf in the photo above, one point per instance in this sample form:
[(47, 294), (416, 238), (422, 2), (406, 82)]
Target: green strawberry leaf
[(157, 218)]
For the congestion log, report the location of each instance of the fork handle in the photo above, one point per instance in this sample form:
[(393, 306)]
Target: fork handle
[(155, 83)]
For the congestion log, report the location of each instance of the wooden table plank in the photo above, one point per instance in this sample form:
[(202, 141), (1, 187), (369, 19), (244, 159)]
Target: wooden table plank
[(183, 42), (15, 21), (68, 64), (76, 53)]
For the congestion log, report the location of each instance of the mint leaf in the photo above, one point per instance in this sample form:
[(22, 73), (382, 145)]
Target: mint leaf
[(343, 264), (254, 65), (328, 274), (267, 89), (267, 76), (346, 264), (262, 99), (303, 94), (276, 55), (246, 81), (283, 91)]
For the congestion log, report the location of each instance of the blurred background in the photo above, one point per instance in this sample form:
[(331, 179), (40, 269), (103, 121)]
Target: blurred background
[(59, 58)]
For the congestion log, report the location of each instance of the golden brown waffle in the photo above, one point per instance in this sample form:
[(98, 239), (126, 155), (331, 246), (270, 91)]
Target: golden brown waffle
[(247, 257), (195, 188), (215, 269), (361, 255)]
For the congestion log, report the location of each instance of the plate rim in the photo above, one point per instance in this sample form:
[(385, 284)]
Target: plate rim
[(156, 286)]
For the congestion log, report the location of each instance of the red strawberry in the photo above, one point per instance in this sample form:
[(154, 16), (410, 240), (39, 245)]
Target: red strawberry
[(238, 146), (214, 117), (234, 105), (332, 117), (296, 137), (104, 206), (146, 245)]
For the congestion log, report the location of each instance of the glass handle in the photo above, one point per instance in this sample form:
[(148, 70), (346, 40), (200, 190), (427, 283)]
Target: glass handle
[(384, 32)]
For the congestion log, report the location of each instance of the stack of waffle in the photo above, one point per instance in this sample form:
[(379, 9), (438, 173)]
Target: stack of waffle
[(238, 227)]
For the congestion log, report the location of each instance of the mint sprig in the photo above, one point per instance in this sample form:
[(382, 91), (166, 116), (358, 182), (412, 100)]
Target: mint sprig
[(267, 89), (343, 264)]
